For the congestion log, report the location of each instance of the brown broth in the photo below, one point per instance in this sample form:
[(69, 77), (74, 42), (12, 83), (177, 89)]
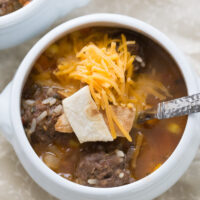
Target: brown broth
[(159, 141)]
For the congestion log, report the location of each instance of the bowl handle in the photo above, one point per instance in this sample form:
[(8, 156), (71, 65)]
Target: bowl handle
[(65, 6), (5, 122)]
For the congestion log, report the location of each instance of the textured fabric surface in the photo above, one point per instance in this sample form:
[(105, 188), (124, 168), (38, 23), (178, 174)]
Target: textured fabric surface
[(178, 19)]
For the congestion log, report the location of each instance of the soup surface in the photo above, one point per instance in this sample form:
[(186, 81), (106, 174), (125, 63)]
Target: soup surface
[(8, 6), (155, 77)]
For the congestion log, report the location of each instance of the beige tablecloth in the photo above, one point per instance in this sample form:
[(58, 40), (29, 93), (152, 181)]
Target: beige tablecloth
[(178, 19)]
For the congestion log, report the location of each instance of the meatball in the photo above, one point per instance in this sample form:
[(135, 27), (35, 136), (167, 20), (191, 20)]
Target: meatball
[(102, 169)]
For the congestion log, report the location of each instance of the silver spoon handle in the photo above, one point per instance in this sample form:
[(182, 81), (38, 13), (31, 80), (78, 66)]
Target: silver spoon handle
[(179, 107)]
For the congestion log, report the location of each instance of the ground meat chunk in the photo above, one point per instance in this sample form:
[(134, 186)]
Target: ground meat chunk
[(102, 169), (137, 50), (8, 6), (34, 107)]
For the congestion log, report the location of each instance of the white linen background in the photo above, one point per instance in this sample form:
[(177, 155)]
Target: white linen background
[(178, 19)]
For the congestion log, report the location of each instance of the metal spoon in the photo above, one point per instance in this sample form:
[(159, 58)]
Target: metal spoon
[(176, 107)]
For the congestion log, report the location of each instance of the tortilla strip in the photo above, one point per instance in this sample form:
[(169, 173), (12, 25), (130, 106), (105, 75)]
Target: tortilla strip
[(126, 117), (85, 118), (62, 125)]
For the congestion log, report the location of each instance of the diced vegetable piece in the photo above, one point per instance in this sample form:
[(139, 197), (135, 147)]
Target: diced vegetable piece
[(51, 160), (174, 128), (157, 166), (55, 150)]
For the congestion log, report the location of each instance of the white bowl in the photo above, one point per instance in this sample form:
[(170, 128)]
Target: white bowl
[(32, 19), (147, 188)]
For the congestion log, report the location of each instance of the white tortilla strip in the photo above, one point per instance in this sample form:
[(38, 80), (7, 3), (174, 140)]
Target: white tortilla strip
[(62, 125), (85, 118), (126, 117)]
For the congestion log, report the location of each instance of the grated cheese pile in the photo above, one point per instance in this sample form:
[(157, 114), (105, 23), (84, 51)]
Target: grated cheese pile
[(106, 65), (108, 71)]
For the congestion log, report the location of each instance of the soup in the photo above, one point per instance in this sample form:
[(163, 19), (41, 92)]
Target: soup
[(81, 101), (8, 6)]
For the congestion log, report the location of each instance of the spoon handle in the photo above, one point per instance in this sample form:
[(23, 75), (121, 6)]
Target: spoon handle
[(173, 108), (179, 107)]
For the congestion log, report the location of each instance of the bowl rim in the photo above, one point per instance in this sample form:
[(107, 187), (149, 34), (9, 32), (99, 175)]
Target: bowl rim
[(20, 140)]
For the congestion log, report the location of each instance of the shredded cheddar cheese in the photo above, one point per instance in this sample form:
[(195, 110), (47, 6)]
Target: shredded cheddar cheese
[(106, 65), (103, 67), (109, 115)]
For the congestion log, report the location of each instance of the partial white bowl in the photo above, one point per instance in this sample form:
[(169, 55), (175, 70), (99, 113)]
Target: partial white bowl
[(32, 19), (147, 188)]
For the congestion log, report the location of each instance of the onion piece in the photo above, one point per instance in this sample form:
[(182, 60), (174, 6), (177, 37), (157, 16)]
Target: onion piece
[(55, 150), (51, 160)]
